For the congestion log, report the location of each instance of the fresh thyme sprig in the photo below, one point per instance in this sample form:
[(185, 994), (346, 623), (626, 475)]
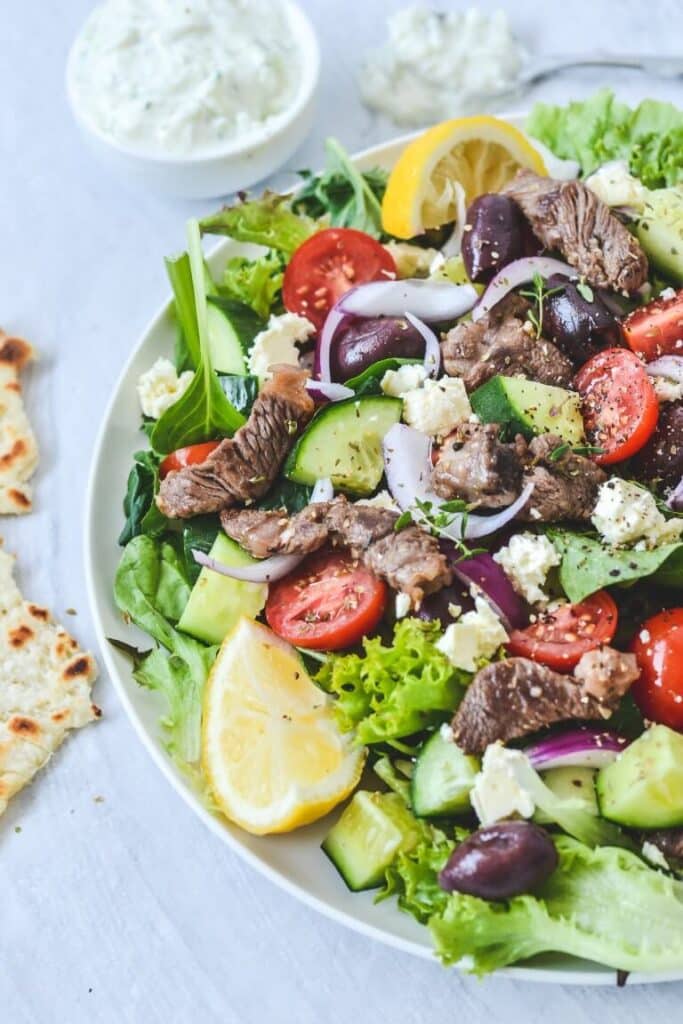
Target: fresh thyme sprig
[(437, 519), (578, 449), (537, 296)]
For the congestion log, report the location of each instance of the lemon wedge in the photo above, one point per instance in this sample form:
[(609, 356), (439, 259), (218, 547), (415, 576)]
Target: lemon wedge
[(467, 156), (271, 749)]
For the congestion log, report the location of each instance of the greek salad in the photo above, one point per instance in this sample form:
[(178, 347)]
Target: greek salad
[(405, 529)]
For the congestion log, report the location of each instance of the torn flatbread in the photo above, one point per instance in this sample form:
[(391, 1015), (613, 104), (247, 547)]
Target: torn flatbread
[(45, 682), (18, 448)]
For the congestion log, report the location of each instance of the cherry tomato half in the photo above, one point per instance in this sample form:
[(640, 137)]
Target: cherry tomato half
[(328, 264), (558, 639), (656, 329), (658, 646), (329, 602), (619, 404), (189, 456)]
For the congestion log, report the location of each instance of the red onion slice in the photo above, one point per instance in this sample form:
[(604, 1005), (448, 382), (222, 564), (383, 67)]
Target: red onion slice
[(328, 391), (578, 748), (481, 526), (485, 575), (408, 465), (675, 499), (322, 351), (427, 299), (516, 273), (268, 569), (432, 360), (667, 366)]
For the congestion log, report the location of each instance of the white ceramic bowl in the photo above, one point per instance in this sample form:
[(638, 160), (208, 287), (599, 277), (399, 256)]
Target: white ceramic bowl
[(231, 167)]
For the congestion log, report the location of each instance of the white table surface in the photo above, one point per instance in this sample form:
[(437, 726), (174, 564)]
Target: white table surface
[(117, 905)]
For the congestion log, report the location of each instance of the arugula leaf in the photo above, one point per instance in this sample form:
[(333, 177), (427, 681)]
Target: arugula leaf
[(268, 221), (349, 198), (203, 412), (139, 506), (368, 382), (257, 283), (589, 565)]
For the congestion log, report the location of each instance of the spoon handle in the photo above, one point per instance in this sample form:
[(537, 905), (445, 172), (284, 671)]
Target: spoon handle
[(541, 68)]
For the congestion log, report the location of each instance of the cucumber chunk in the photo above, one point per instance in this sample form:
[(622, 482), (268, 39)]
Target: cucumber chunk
[(528, 408), (442, 779), (373, 829), (575, 784), (343, 441), (232, 328), (643, 788), (660, 231), (217, 602)]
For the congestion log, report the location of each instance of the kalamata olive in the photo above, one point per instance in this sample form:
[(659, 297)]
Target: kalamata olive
[(369, 339), (435, 607), (661, 460), (500, 861), (580, 326), (494, 236)]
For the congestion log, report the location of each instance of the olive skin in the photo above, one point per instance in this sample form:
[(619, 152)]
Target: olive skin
[(577, 326), (435, 607), (369, 339), (495, 235), (661, 459), (500, 861)]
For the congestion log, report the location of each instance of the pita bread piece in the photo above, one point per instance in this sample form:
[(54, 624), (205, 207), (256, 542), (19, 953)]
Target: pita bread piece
[(45, 682), (18, 448)]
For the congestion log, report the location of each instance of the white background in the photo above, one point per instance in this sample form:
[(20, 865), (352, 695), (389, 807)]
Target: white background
[(117, 905)]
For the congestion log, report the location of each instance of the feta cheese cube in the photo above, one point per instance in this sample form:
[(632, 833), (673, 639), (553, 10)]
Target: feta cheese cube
[(473, 638), (496, 793), (402, 605), (437, 407), (626, 513), (381, 500), (160, 387), (278, 343), (527, 559), (398, 383)]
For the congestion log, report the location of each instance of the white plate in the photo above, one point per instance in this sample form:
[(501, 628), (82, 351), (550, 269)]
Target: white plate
[(293, 861)]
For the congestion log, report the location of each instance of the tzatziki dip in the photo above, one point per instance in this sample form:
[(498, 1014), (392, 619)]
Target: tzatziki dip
[(185, 77)]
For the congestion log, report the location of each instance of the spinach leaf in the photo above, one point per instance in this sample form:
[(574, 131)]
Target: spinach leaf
[(368, 382), (188, 345), (139, 506), (349, 198), (267, 221), (286, 494), (198, 535), (203, 412), (257, 283), (241, 391), (588, 565)]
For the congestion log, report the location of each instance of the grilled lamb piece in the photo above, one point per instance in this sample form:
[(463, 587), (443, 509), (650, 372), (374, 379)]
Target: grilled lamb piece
[(475, 466), (499, 344), (670, 842), (243, 467), (567, 216), (564, 488), (410, 561), (512, 698)]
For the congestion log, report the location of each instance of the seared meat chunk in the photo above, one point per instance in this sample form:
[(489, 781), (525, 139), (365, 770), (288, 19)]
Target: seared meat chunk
[(567, 216), (670, 842), (410, 561), (606, 674), (500, 344), (475, 466), (512, 698), (564, 488), (243, 467)]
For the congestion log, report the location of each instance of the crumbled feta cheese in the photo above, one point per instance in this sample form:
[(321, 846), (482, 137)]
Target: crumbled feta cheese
[(437, 407), (527, 559), (616, 186), (455, 610), (446, 733), (160, 387), (403, 604), (411, 260), (626, 513), (667, 390), (277, 343), (653, 855), (398, 383), (667, 293), (474, 638), (381, 500), (496, 794)]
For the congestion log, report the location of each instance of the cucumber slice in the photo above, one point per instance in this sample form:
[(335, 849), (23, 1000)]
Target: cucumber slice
[(373, 829), (528, 408), (442, 779), (343, 441), (575, 784), (232, 329), (643, 788), (217, 602), (660, 231)]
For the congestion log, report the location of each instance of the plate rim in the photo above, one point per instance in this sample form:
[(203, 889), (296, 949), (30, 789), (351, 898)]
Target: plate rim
[(597, 976)]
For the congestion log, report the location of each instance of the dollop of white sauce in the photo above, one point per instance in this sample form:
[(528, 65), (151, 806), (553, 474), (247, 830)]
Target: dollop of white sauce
[(185, 77), (436, 62)]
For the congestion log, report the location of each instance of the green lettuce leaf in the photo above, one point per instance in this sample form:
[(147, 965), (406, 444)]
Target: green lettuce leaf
[(139, 506), (604, 905), (394, 691), (600, 128), (258, 282), (268, 221), (348, 198), (413, 877), (151, 588), (589, 565)]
